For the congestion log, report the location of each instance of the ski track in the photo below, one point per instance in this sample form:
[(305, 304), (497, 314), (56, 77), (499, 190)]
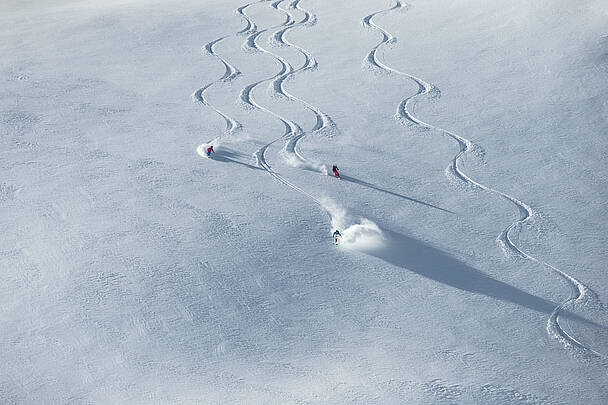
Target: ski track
[(293, 131), (324, 123), (230, 73), (578, 289)]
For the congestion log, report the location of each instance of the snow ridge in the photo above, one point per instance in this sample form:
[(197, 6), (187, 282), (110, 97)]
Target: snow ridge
[(404, 115)]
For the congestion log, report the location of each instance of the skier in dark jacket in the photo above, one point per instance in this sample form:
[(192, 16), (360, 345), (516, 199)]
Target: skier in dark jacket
[(334, 169), (337, 236)]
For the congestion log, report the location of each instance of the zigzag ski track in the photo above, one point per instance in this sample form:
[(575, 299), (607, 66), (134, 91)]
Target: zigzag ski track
[(230, 73), (293, 132), (578, 290)]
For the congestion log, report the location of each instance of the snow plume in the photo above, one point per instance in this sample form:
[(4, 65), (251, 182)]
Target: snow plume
[(293, 160), (357, 233), (202, 148)]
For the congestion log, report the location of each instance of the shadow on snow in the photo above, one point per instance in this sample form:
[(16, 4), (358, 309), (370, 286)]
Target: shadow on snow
[(227, 156), (372, 186), (432, 263)]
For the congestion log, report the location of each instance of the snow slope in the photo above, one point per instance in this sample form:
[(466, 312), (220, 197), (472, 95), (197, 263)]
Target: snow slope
[(470, 138)]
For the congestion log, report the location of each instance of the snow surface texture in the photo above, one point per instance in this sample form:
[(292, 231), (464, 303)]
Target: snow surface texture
[(471, 142)]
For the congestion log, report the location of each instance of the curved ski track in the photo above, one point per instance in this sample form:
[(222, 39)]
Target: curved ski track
[(231, 72), (250, 27), (291, 128), (324, 121), (293, 132), (578, 289)]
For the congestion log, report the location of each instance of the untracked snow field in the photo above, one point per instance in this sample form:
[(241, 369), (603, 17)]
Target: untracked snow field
[(472, 141)]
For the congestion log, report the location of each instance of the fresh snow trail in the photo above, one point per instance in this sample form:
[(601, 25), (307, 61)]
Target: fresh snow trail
[(292, 129), (324, 122), (578, 289), (357, 234), (250, 27), (230, 73)]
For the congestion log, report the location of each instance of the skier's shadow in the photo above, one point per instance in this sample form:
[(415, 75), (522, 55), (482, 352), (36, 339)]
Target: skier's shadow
[(373, 186), (432, 263), (228, 156)]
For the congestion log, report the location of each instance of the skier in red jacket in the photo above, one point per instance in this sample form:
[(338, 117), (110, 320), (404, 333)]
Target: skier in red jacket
[(210, 151), (334, 168)]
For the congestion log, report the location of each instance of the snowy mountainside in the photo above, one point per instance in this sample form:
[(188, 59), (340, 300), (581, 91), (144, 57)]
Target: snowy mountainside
[(470, 143)]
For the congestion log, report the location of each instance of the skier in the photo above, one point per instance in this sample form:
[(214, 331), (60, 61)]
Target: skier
[(337, 236), (334, 168), (210, 151)]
